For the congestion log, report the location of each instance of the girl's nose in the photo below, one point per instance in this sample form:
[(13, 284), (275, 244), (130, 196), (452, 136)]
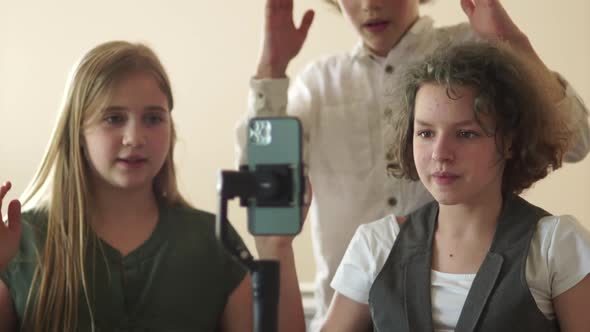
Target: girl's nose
[(134, 135), (443, 150), (371, 5)]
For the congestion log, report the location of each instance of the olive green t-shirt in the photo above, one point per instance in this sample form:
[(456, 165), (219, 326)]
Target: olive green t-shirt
[(179, 279)]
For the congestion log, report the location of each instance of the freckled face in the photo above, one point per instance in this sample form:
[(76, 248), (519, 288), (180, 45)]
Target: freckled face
[(456, 159)]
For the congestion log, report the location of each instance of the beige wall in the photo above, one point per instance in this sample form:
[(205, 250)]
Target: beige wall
[(210, 49)]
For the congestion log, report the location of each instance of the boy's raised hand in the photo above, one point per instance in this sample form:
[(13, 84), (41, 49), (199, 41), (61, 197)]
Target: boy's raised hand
[(10, 232), (490, 20), (282, 39)]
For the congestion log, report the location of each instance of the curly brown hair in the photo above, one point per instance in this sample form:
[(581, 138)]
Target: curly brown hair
[(537, 134), (337, 6)]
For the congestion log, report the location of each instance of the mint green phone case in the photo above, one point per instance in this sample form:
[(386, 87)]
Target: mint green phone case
[(276, 141)]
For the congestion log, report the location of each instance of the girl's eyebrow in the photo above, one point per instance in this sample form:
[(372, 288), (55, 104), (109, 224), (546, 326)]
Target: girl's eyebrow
[(155, 108), (115, 108), (461, 123), (152, 108)]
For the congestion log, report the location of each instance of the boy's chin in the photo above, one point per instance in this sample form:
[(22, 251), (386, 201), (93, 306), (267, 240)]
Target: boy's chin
[(447, 199), (378, 49)]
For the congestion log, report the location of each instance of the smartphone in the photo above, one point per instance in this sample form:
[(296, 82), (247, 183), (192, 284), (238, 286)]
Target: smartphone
[(274, 156)]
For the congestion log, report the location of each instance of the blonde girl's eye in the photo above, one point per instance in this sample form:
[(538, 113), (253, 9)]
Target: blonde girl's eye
[(114, 119), (154, 119), (425, 133)]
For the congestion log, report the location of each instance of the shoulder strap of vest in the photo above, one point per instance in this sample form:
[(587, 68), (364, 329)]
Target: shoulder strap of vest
[(516, 225), (517, 218)]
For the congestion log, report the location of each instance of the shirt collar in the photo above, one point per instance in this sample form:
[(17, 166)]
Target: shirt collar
[(360, 52)]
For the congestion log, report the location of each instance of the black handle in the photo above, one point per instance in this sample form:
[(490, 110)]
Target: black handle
[(265, 290)]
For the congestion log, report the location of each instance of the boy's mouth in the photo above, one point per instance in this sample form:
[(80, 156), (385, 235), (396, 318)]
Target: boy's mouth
[(376, 25)]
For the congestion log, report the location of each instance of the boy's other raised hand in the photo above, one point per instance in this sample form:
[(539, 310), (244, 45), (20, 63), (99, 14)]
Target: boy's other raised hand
[(282, 40), (490, 20), (10, 231)]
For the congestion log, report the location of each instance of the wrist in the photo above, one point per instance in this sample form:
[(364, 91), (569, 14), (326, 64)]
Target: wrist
[(265, 70), (520, 41), (275, 250)]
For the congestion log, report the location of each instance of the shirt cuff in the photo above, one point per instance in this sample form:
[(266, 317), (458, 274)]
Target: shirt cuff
[(268, 97), (573, 103), (571, 96)]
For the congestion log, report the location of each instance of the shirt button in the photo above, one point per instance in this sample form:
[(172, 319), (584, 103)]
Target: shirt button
[(389, 69), (392, 201), (388, 112)]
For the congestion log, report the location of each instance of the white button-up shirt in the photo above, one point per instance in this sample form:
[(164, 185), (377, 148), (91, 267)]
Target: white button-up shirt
[(342, 102)]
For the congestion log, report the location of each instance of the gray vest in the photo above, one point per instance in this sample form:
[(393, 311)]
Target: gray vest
[(499, 298)]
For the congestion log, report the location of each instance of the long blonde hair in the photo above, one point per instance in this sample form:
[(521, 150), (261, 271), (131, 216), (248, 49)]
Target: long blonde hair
[(61, 186)]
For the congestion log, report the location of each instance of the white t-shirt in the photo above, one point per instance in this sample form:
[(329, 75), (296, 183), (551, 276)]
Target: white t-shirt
[(559, 258)]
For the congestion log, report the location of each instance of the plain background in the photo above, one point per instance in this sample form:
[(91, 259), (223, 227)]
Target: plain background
[(210, 48)]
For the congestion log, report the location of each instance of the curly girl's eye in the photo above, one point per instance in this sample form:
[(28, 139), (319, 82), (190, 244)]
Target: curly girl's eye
[(467, 134)]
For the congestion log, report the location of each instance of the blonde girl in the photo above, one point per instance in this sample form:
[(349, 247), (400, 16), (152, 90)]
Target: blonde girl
[(107, 242)]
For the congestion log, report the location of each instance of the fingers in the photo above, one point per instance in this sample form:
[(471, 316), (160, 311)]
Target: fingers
[(3, 190), (487, 3), (468, 7), (493, 4), (279, 5), (14, 216), (306, 22), (14, 208)]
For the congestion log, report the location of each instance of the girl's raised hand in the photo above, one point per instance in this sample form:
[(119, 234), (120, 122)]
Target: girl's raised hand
[(10, 230), (282, 39)]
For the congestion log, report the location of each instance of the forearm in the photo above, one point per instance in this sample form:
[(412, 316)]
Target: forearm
[(490, 20), (575, 114), (547, 81)]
